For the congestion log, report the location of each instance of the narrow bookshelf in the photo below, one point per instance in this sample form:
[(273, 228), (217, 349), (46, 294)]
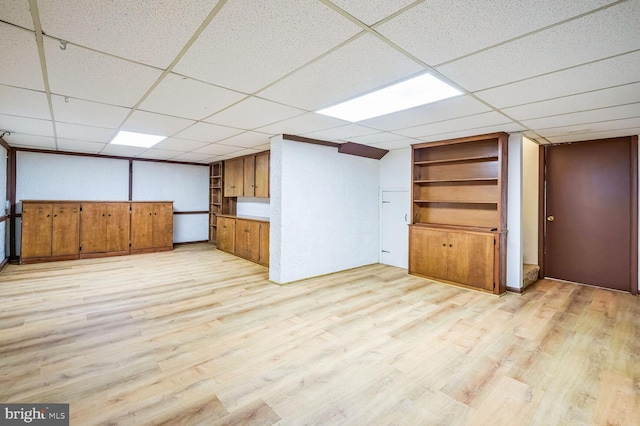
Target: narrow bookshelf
[(215, 198)]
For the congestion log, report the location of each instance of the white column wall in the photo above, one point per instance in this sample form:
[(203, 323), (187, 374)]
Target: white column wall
[(514, 212), (530, 201), (324, 211)]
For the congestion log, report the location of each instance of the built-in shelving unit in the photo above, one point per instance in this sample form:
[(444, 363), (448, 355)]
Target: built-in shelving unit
[(215, 198), (459, 211)]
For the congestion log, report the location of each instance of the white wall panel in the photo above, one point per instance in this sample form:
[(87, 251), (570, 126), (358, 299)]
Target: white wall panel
[(184, 184), (395, 170), (253, 207), (42, 176), (324, 212), (190, 227)]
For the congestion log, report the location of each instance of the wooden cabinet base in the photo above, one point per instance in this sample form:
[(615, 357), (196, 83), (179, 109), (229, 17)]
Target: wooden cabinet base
[(29, 260), (244, 237), (107, 254), (151, 250)]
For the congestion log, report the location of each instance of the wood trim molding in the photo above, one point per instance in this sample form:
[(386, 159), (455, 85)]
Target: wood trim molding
[(541, 207), (186, 243), (130, 180), (360, 150), (5, 144), (634, 215), (4, 264), (192, 212), (487, 136), (310, 140), (517, 290), (4, 218), (113, 157), (350, 148), (11, 195)]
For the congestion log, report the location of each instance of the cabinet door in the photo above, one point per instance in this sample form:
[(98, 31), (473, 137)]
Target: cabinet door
[(234, 177), (262, 175), (36, 229), (92, 238), (116, 227), (141, 225), (264, 244), (248, 239), (65, 233), (249, 176), (470, 259), (163, 225), (226, 234), (428, 252)]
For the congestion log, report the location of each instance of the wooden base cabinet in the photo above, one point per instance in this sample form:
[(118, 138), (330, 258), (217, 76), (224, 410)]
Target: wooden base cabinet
[(65, 230), (50, 231), (151, 227), (244, 237), (105, 229), (470, 259)]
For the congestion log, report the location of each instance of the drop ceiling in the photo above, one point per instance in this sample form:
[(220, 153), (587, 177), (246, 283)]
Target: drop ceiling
[(219, 78)]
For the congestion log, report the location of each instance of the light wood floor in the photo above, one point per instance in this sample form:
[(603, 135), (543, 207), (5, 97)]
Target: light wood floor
[(197, 336)]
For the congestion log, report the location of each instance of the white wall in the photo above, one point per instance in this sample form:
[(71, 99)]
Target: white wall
[(530, 201), (186, 185), (514, 212), (324, 211), (249, 206), (42, 176)]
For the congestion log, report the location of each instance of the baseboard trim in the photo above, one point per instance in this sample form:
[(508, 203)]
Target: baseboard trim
[(518, 290), (4, 264), (186, 243)]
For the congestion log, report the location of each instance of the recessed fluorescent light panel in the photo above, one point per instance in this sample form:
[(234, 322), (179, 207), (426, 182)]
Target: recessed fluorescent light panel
[(414, 92), (136, 139)]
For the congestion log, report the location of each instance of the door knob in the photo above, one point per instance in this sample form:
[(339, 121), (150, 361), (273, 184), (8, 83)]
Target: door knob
[(551, 218)]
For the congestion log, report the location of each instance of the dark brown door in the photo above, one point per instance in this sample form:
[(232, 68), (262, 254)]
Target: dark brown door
[(589, 209)]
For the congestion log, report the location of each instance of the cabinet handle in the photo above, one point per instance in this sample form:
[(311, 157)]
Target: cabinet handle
[(450, 245), (444, 245), (246, 230), (55, 215)]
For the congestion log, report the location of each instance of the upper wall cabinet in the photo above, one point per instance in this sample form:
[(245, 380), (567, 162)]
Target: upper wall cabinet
[(247, 176)]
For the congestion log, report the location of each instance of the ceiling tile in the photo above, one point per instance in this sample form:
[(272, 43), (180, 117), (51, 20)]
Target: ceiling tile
[(447, 109), (155, 124), (123, 150), (205, 132), (342, 132), (85, 74), (397, 144), (263, 147), (152, 32), (30, 141), (253, 112), (256, 45), (16, 12), (27, 126), (77, 111), (596, 135), (343, 74), (23, 102), (626, 94), (80, 146), (583, 128), (184, 97), (464, 123), (84, 133), (175, 144), (309, 122), (609, 32), (585, 117), (598, 75), (371, 11), (507, 128), (432, 29), (247, 140), (193, 156), (217, 149), (20, 64), (246, 151), (159, 154), (376, 138)]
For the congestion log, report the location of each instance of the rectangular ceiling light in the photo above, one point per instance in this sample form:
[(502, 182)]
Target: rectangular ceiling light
[(407, 94), (136, 139)]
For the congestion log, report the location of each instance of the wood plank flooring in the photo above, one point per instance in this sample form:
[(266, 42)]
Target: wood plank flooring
[(197, 336)]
